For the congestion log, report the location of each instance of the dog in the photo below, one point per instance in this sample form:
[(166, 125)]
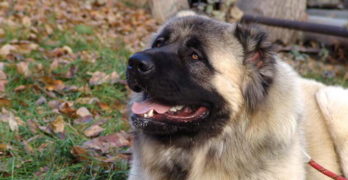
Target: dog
[(212, 101)]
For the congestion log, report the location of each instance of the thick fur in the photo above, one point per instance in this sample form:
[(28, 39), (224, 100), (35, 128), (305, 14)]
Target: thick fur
[(274, 116)]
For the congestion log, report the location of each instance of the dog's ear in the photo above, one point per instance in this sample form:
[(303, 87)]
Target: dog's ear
[(260, 64)]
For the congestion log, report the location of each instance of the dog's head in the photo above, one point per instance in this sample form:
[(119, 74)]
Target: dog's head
[(197, 75)]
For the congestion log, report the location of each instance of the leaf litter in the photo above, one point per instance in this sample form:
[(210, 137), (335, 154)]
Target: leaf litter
[(42, 88)]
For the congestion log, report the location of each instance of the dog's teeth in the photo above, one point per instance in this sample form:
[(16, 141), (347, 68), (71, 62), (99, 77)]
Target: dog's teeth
[(179, 107), (145, 115), (150, 113), (172, 109)]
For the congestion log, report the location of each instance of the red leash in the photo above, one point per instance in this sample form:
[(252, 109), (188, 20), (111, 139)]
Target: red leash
[(328, 173)]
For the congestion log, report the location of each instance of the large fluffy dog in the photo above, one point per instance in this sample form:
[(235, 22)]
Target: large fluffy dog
[(213, 102)]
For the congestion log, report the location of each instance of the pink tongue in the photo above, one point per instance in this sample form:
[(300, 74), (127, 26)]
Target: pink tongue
[(146, 106)]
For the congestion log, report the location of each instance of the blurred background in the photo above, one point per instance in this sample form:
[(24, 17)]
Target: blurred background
[(62, 72)]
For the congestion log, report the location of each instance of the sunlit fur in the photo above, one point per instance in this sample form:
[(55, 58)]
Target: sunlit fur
[(290, 116)]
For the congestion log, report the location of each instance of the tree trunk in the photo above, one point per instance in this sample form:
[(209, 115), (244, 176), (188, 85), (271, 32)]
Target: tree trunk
[(164, 9), (282, 9)]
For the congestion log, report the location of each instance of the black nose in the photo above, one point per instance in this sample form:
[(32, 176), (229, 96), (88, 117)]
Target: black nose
[(141, 64)]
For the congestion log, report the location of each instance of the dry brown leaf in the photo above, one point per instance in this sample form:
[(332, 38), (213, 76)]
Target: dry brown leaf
[(53, 84), (2, 66), (28, 149), (45, 129), (66, 108), (101, 77), (54, 65), (85, 89), (82, 112), (20, 88), (114, 77), (57, 125), (87, 100), (3, 86), (41, 100), (98, 78), (104, 107), (85, 119), (59, 52), (4, 147), (25, 47), (26, 21), (54, 104), (6, 49), (8, 116), (80, 152), (106, 143), (23, 69), (3, 75), (93, 131), (5, 102), (33, 126), (48, 29), (2, 33)]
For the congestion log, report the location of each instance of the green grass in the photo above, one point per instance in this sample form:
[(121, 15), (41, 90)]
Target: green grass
[(338, 81), (56, 160)]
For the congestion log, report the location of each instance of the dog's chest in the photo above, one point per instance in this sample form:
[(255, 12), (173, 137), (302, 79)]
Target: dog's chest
[(169, 163)]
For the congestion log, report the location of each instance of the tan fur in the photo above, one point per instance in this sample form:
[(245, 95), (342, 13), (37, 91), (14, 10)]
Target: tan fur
[(297, 116)]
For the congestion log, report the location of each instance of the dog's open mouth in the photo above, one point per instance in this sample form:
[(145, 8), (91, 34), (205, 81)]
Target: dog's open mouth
[(178, 113)]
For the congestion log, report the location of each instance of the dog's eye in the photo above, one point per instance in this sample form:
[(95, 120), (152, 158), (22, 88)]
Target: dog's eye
[(159, 42), (194, 56)]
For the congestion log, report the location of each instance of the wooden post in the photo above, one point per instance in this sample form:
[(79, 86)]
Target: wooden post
[(282, 9)]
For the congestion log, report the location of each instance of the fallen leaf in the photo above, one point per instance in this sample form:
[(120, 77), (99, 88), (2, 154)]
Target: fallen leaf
[(5, 102), (101, 77), (26, 21), (85, 119), (98, 78), (27, 147), (114, 77), (45, 129), (26, 47), (2, 66), (23, 69), (2, 33), (82, 112), (66, 108), (106, 143), (71, 73), (57, 125), (53, 84), (59, 52), (87, 100), (54, 65), (6, 50), (93, 131), (80, 152), (3, 86), (8, 116), (20, 88), (54, 104), (33, 126), (104, 107), (4, 147), (41, 100), (3, 76)]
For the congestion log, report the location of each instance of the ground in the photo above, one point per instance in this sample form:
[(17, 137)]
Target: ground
[(62, 86)]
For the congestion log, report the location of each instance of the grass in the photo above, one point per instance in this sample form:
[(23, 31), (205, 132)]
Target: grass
[(338, 81), (56, 161)]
